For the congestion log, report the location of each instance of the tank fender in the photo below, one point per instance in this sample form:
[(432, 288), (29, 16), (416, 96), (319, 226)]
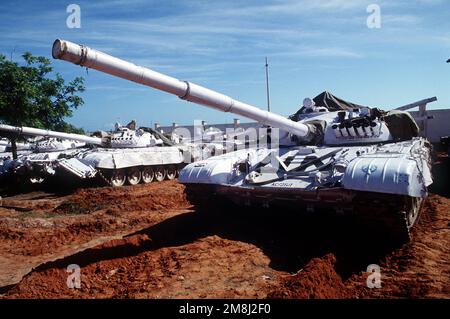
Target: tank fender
[(387, 174)]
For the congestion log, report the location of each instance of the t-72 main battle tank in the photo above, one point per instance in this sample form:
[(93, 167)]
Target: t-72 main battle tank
[(134, 155), (127, 154), (39, 161), (348, 157)]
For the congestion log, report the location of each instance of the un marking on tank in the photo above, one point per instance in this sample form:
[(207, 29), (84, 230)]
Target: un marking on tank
[(369, 169)]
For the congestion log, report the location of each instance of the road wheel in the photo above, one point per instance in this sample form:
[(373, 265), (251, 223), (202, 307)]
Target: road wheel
[(171, 172), (133, 176), (160, 173), (118, 177), (413, 206), (148, 175)]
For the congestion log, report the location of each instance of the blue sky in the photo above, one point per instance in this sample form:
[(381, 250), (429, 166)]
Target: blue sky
[(312, 46)]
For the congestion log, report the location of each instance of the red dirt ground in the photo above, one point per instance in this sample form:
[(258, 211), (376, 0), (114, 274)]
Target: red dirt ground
[(147, 241), (418, 269)]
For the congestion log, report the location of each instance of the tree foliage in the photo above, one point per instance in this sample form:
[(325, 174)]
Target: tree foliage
[(29, 96)]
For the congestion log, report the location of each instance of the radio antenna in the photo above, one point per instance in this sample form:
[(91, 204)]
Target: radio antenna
[(267, 85)]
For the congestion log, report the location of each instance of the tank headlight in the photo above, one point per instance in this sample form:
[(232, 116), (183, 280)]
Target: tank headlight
[(341, 166)]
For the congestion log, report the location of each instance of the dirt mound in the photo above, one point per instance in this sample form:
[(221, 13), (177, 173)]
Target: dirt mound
[(86, 213), (135, 268), (37, 227), (420, 268), (155, 196), (317, 280)]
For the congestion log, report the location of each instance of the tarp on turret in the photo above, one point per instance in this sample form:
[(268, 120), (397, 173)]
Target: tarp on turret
[(333, 103)]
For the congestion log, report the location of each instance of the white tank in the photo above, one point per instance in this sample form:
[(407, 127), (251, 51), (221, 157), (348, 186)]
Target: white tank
[(354, 159)]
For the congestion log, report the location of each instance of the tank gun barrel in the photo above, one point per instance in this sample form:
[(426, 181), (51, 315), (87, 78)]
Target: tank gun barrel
[(90, 58), (23, 130)]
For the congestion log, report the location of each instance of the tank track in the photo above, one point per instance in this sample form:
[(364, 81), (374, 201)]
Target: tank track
[(201, 196), (104, 178), (388, 217)]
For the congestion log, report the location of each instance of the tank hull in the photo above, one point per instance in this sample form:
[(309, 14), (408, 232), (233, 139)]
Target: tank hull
[(401, 168), (381, 184), (119, 166), (101, 164), (132, 165)]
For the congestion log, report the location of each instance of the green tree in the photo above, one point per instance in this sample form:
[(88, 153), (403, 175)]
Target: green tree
[(29, 96)]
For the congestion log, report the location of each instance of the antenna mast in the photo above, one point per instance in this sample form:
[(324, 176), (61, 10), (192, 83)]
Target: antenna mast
[(267, 85)]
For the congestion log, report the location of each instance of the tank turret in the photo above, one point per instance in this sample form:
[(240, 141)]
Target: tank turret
[(130, 137)]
